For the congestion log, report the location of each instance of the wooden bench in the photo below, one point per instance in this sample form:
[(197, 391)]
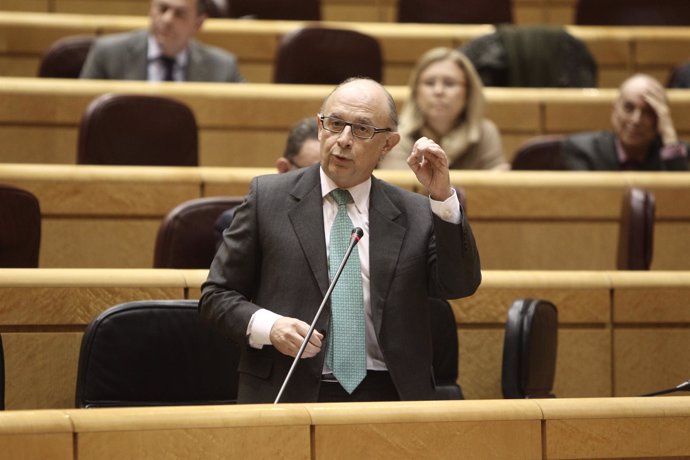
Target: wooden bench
[(246, 125), (524, 11), (619, 51), (619, 333), (108, 216)]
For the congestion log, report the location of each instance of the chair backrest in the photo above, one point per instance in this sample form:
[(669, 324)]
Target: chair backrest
[(217, 8), (529, 349), (532, 56), (444, 333), (2, 375), (540, 153), (636, 231), (679, 76), (65, 57), (153, 353), (127, 129), (299, 10), (455, 12), (20, 228), (632, 12), (319, 55), (187, 236)]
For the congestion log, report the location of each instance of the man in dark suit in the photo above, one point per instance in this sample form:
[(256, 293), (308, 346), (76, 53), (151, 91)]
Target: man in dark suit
[(166, 51), (643, 137), (272, 270)]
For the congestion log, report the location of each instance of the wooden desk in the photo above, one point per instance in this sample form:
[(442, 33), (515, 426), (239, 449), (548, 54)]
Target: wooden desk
[(619, 51), (108, 216), (605, 348), (246, 125), (613, 428)]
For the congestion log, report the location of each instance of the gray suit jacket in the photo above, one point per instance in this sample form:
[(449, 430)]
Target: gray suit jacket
[(274, 256), (123, 57)]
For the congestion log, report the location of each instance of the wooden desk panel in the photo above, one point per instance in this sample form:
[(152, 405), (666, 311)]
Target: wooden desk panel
[(413, 430), (616, 428), (242, 431), (46, 435)]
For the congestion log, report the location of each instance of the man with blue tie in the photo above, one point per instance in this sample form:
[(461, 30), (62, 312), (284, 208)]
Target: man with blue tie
[(166, 51), (275, 264)]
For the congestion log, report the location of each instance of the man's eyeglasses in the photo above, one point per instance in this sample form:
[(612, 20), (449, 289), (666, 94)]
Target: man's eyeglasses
[(336, 125)]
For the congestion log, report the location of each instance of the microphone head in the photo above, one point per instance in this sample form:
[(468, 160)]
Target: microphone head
[(357, 233)]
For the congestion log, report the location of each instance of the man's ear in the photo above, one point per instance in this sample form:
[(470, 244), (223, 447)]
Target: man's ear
[(283, 165), (391, 141)]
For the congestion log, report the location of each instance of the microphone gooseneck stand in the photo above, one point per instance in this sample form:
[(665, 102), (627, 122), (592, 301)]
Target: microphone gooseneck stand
[(355, 236), (685, 386)]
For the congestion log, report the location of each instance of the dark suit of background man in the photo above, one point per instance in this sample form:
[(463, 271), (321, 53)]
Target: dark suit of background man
[(643, 137), (142, 54), (271, 272)]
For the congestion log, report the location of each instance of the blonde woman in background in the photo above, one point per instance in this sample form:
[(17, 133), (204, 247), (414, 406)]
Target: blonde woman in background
[(446, 104)]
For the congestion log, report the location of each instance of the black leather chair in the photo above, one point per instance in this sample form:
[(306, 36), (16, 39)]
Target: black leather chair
[(297, 10), (2, 375), (127, 129), (455, 11), (529, 349), (636, 230), (445, 349), (321, 55), (187, 237), (632, 13), (154, 353), (20, 228), (65, 57), (540, 153), (680, 76)]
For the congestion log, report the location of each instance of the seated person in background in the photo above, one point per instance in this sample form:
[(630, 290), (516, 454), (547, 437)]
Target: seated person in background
[(643, 136), (446, 104), (164, 52), (301, 150)]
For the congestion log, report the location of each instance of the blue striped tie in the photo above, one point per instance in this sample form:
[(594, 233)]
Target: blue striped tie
[(346, 346)]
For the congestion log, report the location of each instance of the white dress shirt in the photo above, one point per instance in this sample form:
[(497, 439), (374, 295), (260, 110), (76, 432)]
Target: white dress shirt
[(156, 68)]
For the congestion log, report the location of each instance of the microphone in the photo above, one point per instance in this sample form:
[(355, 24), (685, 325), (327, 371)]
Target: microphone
[(685, 386), (355, 236)]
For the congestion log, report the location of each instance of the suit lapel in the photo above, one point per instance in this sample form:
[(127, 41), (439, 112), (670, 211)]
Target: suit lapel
[(195, 70), (386, 235), (137, 68), (307, 221)]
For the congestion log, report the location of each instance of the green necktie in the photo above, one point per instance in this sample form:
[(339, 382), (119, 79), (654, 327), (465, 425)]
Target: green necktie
[(346, 345)]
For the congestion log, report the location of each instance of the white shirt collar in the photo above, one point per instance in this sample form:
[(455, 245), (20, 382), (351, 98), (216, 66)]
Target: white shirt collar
[(360, 192), (154, 52)]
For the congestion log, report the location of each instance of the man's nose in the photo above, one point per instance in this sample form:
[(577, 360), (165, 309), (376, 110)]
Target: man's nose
[(345, 136), (636, 115)]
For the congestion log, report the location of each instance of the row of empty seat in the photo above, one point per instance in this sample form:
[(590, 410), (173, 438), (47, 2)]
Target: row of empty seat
[(160, 353)]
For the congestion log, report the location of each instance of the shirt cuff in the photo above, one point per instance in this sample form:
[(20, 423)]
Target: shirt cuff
[(259, 328), (673, 151), (448, 210)]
